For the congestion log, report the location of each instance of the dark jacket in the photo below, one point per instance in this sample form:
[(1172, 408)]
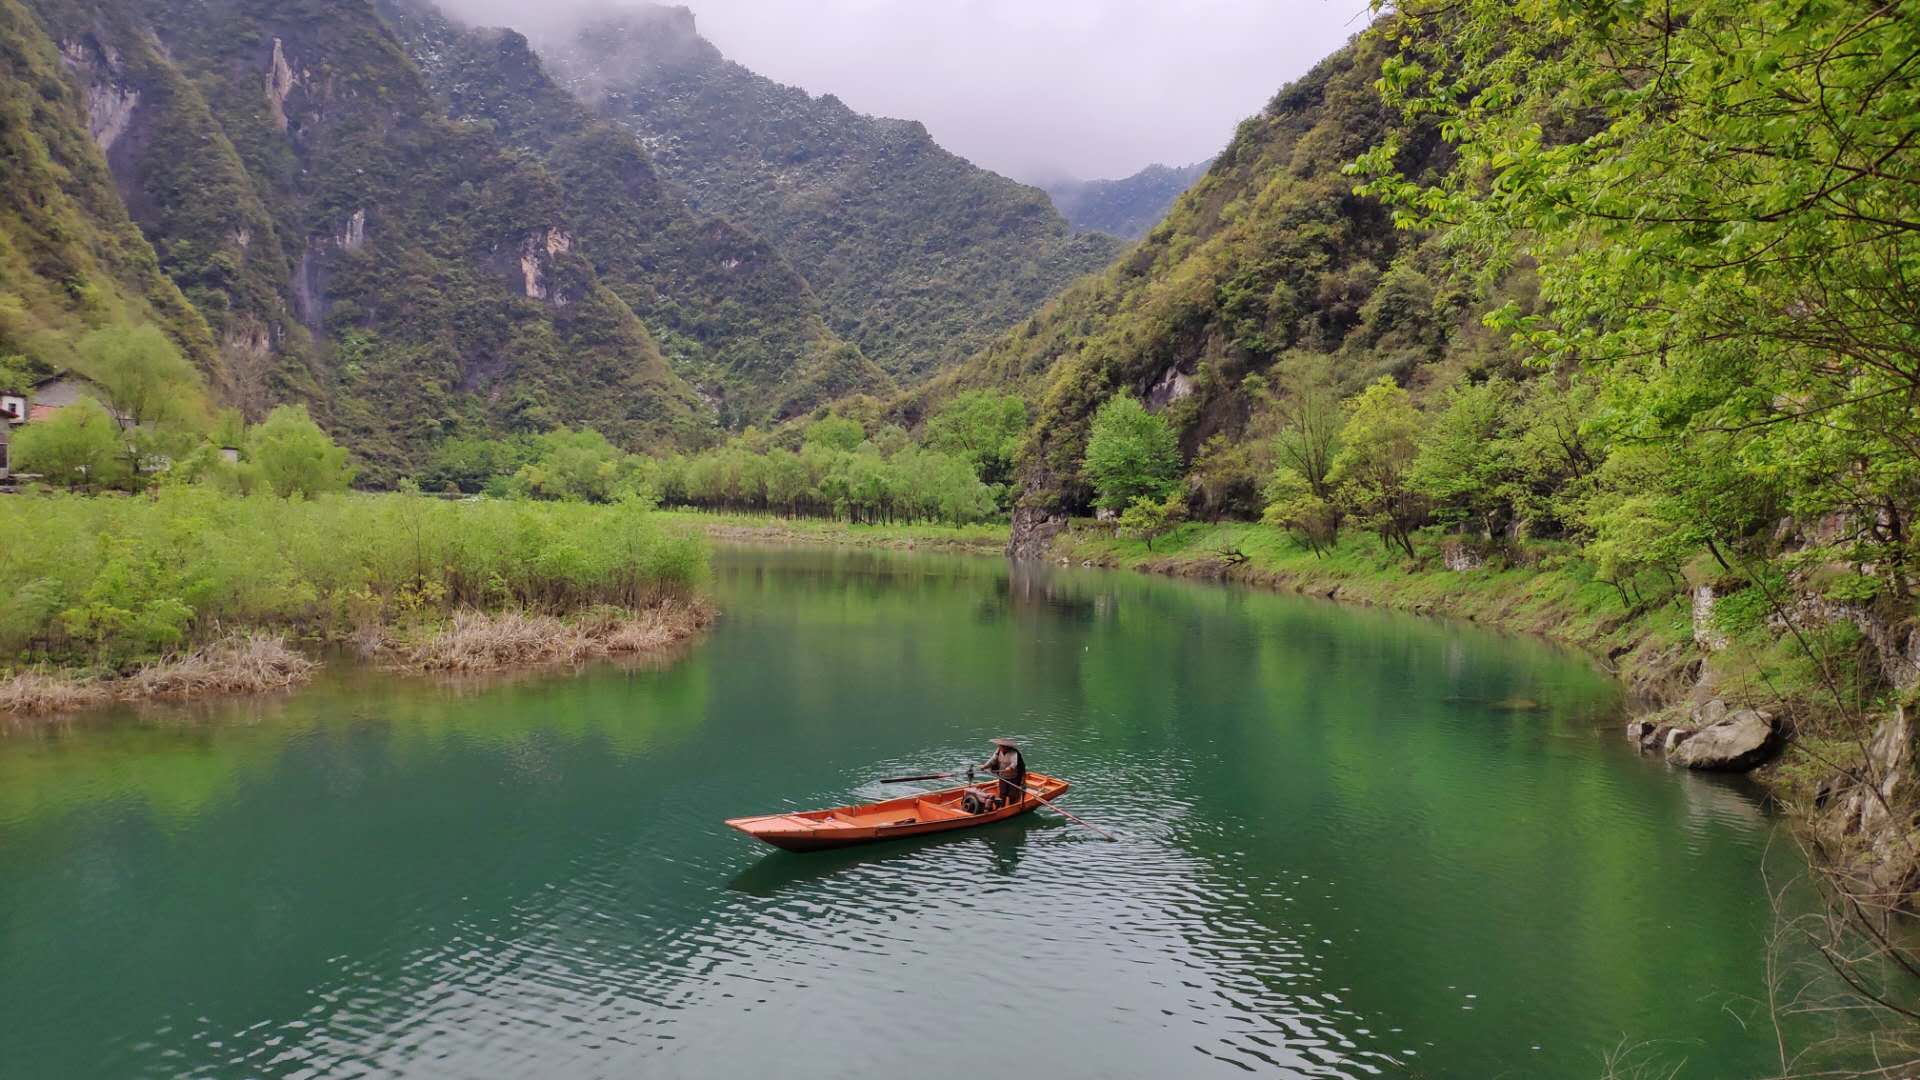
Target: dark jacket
[(1010, 766)]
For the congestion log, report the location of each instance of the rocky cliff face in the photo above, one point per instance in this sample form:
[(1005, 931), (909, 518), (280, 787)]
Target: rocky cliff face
[(918, 256)]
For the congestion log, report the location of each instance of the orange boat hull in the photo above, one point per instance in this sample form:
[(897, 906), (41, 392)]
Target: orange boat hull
[(911, 815)]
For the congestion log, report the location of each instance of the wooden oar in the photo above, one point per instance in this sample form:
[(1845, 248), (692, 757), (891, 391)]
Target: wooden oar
[(928, 776), (1043, 801)]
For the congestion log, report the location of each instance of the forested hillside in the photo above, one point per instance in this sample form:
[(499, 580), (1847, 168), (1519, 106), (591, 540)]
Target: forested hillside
[(408, 225), (1127, 207), (1608, 315), (348, 244), (919, 256), (70, 257), (1270, 260), (730, 312)]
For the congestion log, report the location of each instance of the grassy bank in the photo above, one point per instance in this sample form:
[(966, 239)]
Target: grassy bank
[(984, 539), (117, 597), (1542, 589)]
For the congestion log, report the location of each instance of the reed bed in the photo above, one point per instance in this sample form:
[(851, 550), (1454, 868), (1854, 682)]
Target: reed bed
[(487, 641), (39, 693), (109, 584), (246, 663)]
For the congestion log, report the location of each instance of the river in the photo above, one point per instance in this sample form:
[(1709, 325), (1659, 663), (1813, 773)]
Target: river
[(1351, 843)]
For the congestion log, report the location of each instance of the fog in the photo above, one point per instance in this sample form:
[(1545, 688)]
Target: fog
[(1035, 89)]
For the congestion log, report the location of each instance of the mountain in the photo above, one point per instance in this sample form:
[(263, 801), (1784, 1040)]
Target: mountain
[(1270, 254), (919, 257), (345, 241), (70, 256), (732, 314), (1128, 207)]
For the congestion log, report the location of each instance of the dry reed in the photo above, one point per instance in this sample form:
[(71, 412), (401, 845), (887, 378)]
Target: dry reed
[(247, 663), (242, 664), (38, 692), (478, 641)]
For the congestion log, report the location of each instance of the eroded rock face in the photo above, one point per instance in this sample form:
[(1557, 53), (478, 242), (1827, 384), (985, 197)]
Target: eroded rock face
[(1737, 741), (355, 233), (110, 105), (280, 83), (553, 242), (1460, 557), (1173, 385), (1033, 532), (1706, 633)]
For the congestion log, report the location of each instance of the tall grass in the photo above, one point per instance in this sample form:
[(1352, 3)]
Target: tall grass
[(111, 581)]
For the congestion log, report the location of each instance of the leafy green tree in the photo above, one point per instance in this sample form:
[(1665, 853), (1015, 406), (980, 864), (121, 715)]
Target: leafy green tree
[(16, 373), (1149, 519), (1466, 463), (144, 377), (79, 446), (1226, 476), (1724, 205), (576, 465), (295, 457), (472, 464), (983, 427), (1378, 444), (1636, 524), (1292, 505), (1131, 454), (1309, 415), (836, 433)]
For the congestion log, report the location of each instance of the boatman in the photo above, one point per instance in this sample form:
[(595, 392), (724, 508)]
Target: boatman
[(1007, 764)]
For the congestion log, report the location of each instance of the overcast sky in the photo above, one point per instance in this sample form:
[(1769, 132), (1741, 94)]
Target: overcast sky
[(1034, 89)]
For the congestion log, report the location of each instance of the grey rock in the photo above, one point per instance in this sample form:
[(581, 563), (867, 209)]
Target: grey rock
[(1737, 742)]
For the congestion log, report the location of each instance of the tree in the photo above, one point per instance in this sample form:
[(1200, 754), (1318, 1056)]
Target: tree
[(1309, 414), (1724, 205), (983, 427), (1292, 505), (143, 375), (1148, 519), (295, 457), (576, 465), (1226, 476), (79, 446), (1377, 448), (1465, 463), (1131, 454), (836, 433), (472, 464)]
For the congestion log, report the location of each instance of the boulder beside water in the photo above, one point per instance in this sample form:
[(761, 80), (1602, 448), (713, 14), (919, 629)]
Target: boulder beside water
[(1719, 737), (1735, 741)]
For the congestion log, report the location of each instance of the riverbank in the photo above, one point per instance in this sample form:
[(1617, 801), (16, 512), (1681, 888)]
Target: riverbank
[(1718, 681), (1549, 594), (469, 642), (990, 539)]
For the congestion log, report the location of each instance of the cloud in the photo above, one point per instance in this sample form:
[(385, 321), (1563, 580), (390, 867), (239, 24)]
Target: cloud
[(1036, 89)]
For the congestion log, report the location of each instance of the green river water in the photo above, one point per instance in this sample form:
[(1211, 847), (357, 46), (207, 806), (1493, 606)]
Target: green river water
[(1350, 844)]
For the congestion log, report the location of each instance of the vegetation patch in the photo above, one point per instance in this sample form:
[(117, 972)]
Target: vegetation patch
[(981, 539), (143, 596), (246, 663), (477, 641)]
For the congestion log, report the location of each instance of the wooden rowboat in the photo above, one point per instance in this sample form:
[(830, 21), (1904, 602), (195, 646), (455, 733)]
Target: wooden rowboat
[(910, 815)]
